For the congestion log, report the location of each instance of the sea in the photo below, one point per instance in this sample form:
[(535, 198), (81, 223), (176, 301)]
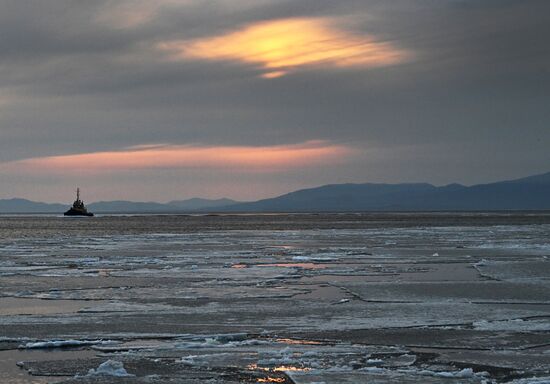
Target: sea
[(303, 298)]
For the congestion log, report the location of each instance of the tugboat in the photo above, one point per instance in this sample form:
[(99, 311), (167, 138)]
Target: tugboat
[(78, 208)]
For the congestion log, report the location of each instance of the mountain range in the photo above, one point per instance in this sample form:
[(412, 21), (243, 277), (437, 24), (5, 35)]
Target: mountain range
[(115, 206), (529, 193)]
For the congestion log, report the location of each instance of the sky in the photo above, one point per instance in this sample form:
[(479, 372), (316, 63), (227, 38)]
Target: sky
[(246, 99)]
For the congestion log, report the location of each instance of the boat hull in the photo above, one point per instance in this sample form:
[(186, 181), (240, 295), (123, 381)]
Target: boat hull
[(74, 212)]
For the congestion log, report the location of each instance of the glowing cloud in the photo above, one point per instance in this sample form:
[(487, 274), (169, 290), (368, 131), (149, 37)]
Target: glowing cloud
[(240, 158), (282, 46)]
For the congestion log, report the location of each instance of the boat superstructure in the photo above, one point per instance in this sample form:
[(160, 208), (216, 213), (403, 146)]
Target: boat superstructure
[(78, 208)]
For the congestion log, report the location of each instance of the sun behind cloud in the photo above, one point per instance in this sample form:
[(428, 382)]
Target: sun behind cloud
[(279, 47)]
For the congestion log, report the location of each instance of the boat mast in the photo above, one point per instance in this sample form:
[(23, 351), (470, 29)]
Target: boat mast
[(78, 194)]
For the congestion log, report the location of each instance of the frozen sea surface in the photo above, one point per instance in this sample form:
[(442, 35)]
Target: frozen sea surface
[(296, 298)]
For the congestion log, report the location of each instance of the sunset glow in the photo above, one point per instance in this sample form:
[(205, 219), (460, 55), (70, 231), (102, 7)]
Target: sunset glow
[(267, 158), (279, 47)]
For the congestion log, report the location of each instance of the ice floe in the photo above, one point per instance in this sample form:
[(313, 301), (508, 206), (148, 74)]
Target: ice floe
[(532, 380), (518, 325), (64, 343), (110, 368)]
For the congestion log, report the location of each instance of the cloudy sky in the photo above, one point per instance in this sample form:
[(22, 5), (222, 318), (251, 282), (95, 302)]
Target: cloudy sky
[(170, 99)]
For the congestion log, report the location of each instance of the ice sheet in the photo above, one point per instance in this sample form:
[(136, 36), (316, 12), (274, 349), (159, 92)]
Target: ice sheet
[(454, 298)]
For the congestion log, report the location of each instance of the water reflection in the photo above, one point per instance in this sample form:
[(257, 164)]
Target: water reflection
[(298, 341), (278, 372), (295, 265)]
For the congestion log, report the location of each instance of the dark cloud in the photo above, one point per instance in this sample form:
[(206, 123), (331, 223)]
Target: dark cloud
[(471, 104)]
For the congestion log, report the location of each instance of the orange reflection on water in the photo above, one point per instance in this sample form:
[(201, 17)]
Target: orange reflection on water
[(285, 368), (298, 342), (294, 265), (280, 368)]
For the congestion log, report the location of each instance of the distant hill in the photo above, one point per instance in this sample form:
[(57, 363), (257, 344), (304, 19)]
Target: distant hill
[(116, 206), (25, 206), (189, 205), (198, 203), (122, 206), (530, 193)]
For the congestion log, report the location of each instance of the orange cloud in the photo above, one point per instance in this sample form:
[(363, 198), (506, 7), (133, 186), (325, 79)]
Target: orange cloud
[(264, 159), (282, 46)]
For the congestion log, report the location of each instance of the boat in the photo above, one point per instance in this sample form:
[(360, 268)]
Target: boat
[(78, 208)]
